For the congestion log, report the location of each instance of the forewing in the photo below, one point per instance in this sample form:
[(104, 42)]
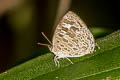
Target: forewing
[(72, 37)]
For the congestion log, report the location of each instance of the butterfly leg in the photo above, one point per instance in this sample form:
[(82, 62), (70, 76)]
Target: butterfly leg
[(97, 45), (56, 61), (69, 60)]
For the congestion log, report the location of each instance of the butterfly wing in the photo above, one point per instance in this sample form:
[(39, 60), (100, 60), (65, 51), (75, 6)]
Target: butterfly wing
[(72, 38)]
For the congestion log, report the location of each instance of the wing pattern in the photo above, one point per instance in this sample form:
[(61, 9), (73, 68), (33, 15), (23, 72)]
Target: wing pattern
[(72, 38)]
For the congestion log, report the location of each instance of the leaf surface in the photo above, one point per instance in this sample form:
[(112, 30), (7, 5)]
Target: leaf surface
[(99, 65)]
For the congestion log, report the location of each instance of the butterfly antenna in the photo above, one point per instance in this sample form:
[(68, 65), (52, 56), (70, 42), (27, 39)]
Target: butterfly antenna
[(46, 38), (42, 44)]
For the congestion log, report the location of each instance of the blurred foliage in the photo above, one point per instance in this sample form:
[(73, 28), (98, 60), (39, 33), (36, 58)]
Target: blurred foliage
[(99, 31), (22, 22)]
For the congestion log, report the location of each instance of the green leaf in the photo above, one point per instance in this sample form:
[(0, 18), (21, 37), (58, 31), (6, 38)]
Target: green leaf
[(97, 66)]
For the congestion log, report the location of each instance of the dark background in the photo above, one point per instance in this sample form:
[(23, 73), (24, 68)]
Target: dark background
[(21, 23)]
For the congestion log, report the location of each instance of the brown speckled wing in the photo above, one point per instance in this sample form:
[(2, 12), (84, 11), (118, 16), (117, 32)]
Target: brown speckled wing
[(72, 37)]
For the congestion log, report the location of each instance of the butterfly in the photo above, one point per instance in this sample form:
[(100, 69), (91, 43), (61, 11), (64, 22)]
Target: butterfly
[(71, 38)]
